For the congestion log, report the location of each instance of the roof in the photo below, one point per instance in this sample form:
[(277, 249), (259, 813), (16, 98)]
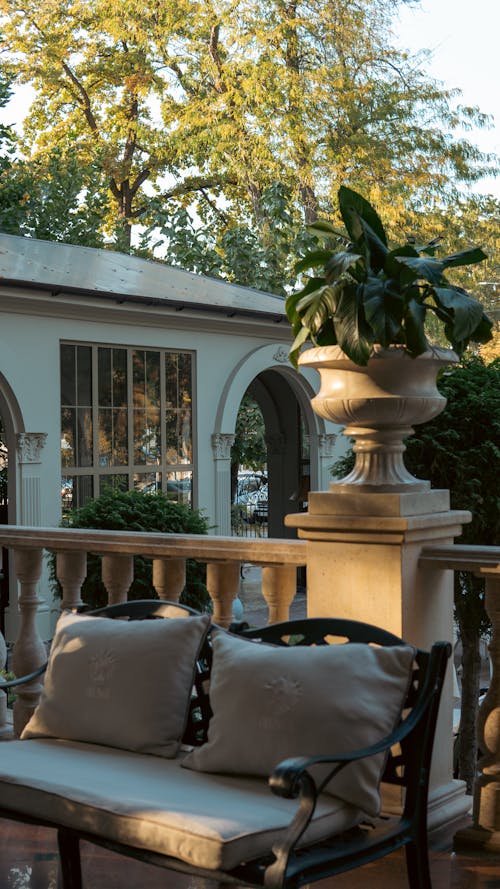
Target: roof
[(66, 268)]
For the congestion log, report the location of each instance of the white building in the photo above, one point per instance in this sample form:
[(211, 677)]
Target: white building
[(114, 367)]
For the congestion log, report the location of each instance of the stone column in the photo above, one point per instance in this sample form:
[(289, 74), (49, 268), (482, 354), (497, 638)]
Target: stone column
[(279, 585), (71, 571), (117, 573), (221, 446), (363, 554)]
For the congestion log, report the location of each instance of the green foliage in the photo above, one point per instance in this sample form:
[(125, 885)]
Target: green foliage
[(118, 510), (249, 448), (460, 450), (370, 293)]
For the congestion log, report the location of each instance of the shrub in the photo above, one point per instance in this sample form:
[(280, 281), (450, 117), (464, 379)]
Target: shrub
[(118, 510)]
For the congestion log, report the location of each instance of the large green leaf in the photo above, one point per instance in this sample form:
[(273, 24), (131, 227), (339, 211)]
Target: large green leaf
[(383, 311), (466, 257), (300, 339), (467, 312), (339, 263), (312, 260), (414, 320), (322, 228), (378, 250), (316, 307), (355, 208), (427, 269), (294, 298), (354, 336), (395, 269)]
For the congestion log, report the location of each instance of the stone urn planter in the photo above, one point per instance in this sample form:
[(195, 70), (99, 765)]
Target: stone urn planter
[(378, 404)]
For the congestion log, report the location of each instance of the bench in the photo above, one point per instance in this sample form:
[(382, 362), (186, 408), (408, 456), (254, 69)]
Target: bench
[(205, 811)]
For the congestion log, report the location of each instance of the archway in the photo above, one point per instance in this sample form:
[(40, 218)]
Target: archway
[(11, 423), (293, 433)]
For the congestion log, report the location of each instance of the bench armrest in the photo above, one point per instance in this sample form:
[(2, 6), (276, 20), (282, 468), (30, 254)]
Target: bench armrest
[(11, 683)]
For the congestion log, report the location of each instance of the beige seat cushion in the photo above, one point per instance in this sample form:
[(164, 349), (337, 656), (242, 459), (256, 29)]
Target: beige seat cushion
[(126, 684), (270, 703), (151, 803)]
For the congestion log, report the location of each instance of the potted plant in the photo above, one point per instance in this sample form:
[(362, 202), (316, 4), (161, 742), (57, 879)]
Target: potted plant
[(364, 314)]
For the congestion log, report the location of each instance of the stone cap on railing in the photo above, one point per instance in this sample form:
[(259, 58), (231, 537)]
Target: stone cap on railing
[(266, 551)]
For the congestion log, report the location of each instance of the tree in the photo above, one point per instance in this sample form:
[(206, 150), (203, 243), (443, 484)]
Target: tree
[(211, 103), (249, 448)]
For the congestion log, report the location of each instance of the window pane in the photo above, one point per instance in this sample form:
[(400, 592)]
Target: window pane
[(180, 486), (105, 437), (152, 379), (119, 377), (148, 482), (184, 396), (84, 448), (138, 378), (104, 377), (84, 375), (171, 379), (68, 436), (185, 449), (117, 481), (120, 437), (68, 375), (76, 491), (147, 446)]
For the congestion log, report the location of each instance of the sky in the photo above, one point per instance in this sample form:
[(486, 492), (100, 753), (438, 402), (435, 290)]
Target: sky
[(463, 36)]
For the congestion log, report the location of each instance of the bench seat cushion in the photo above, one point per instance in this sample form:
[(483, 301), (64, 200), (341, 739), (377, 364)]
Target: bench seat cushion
[(210, 821)]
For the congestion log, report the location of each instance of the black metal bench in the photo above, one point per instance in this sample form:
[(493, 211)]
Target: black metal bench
[(289, 864)]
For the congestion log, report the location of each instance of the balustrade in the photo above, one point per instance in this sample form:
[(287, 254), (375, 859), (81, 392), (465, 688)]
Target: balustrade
[(483, 562), (223, 556)]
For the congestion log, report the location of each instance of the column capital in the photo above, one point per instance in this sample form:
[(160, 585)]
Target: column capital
[(29, 446), (222, 443)]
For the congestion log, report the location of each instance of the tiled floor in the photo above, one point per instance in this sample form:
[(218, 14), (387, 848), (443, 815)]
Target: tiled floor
[(28, 860)]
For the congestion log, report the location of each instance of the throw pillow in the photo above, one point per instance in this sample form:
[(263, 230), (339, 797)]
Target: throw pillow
[(125, 684), (270, 703)]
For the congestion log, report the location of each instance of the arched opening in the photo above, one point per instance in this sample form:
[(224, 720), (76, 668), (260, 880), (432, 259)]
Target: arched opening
[(270, 457), (11, 423)]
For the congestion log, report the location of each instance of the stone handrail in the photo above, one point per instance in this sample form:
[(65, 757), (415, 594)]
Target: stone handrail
[(223, 556), (483, 561)]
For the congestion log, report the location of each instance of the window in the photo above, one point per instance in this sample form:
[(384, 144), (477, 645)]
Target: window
[(126, 421)]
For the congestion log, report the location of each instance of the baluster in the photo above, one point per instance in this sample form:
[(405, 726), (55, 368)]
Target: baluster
[(486, 811), (169, 578), (117, 572), (29, 650), (279, 585), (71, 570), (223, 583)]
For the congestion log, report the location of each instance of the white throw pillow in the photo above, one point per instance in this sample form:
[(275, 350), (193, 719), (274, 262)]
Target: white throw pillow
[(270, 703), (120, 683)]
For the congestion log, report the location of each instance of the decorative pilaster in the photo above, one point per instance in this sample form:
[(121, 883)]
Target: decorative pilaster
[(221, 445), (29, 446)]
